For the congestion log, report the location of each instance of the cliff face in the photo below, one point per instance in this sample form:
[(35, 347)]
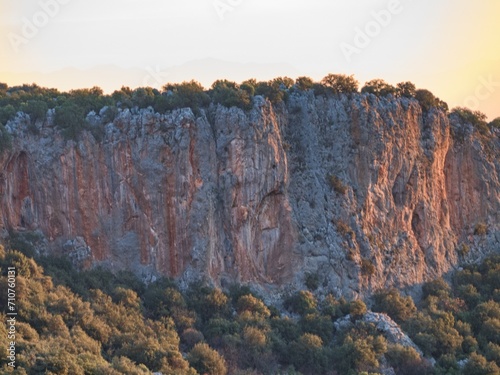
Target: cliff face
[(248, 197)]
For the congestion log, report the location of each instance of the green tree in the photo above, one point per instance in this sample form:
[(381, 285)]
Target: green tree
[(378, 87), (71, 119), (406, 89), (391, 302), (340, 83), (302, 302), (229, 94), (304, 83)]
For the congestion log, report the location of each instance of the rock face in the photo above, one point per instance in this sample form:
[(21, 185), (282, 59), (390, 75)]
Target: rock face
[(364, 192)]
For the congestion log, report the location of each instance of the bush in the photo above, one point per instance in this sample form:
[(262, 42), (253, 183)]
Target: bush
[(427, 101), (7, 113), (271, 90), (343, 229), (495, 124), (481, 229), (406, 360), (378, 87), (302, 303), (206, 360), (312, 281), (357, 309), (337, 184), (475, 118), (393, 304), (36, 109), (340, 83), (367, 267)]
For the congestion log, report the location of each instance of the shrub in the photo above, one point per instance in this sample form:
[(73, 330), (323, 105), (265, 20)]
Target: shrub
[(7, 113), (249, 86), (391, 302), (357, 309), (367, 267), (438, 288), (271, 90), (312, 280), (378, 87), (340, 83), (337, 184), (302, 302), (495, 124), (427, 101), (343, 228), (481, 229), (463, 249), (36, 109), (406, 360), (206, 360), (475, 118)]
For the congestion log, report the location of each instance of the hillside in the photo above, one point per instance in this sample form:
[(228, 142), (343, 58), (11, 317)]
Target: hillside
[(269, 184)]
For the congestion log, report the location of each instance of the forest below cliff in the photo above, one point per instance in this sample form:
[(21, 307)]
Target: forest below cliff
[(97, 322)]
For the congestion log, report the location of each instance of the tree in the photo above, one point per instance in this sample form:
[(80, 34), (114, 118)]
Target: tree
[(304, 83), (378, 87), (206, 360), (357, 309), (302, 302), (340, 83), (427, 101), (495, 124), (36, 109), (478, 365), (186, 94), (391, 302), (229, 94), (406, 89), (70, 118)]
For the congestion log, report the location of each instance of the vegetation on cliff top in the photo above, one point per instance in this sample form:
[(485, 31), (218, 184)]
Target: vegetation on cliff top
[(71, 108), (95, 322)]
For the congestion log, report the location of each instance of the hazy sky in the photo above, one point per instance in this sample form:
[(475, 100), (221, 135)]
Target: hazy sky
[(451, 47)]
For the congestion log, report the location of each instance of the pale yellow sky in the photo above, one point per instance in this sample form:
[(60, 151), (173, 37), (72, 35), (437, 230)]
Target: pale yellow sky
[(447, 46)]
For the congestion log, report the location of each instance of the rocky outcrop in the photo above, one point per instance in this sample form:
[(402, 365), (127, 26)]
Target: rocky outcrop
[(384, 325), (363, 192)]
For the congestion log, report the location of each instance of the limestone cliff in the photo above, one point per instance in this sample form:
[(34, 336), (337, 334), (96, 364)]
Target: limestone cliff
[(361, 192)]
